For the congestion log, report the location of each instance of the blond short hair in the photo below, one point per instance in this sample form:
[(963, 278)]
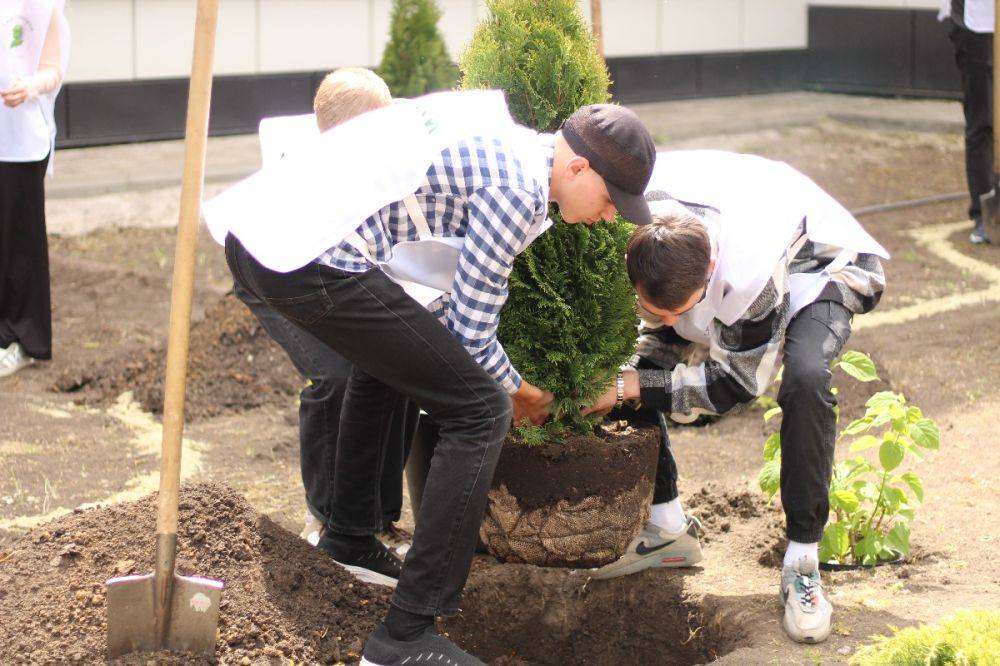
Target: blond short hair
[(349, 92)]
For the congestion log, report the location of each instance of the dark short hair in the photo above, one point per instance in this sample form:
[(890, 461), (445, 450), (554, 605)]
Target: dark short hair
[(668, 259)]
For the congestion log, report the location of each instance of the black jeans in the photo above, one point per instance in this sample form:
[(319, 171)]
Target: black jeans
[(974, 57), (395, 344), (319, 417), (815, 336), (25, 298)]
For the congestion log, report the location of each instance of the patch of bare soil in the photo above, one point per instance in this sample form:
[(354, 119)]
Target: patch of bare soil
[(233, 366), (283, 601), (518, 615)]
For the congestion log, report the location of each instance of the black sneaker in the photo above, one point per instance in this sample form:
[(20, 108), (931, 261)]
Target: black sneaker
[(367, 559), (383, 650)]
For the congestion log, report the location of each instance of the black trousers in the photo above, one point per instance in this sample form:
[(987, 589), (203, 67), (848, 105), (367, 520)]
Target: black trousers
[(319, 417), (815, 336), (974, 57), (396, 345), (25, 300)]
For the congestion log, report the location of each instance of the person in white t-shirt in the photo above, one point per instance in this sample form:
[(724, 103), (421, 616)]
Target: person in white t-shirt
[(34, 49)]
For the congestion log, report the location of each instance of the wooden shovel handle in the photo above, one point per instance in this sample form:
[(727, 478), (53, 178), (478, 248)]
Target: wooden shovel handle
[(195, 140)]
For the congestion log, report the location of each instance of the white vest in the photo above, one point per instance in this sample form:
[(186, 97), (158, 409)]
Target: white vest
[(294, 209), (761, 203), (27, 132)]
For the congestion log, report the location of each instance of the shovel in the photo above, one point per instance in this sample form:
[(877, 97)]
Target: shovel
[(989, 202), (162, 610)]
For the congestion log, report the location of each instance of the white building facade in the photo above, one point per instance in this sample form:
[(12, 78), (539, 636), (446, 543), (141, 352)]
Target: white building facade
[(130, 57)]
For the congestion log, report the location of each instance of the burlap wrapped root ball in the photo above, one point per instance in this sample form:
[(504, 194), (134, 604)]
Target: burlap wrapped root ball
[(578, 534)]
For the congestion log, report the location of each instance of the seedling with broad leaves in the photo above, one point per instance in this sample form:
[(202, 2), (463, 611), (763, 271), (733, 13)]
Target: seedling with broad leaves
[(872, 501)]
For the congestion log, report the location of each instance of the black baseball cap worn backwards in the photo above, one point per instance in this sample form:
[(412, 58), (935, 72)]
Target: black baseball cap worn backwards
[(621, 151)]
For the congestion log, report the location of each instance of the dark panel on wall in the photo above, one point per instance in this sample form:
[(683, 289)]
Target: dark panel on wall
[(124, 111), (651, 78), (880, 51), (751, 72), (867, 47), (934, 57), (238, 103), (655, 78), (118, 112)]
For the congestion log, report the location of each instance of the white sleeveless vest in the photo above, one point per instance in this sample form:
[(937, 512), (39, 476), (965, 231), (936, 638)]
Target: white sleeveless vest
[(293, 210), (27, 132), (761, 205)]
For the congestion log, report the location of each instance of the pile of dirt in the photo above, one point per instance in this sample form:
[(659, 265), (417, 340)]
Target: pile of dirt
[(234, 366), (284, 601)]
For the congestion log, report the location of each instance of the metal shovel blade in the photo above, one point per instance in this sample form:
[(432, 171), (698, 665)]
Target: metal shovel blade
[(191, 624)]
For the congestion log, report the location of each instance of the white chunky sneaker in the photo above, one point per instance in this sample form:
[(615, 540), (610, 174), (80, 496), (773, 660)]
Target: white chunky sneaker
[(13, 359), (807, 611), (656, 548), (313, 529)]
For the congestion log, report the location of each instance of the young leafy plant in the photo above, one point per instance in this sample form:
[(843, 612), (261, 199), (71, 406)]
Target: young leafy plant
[(872, 502)]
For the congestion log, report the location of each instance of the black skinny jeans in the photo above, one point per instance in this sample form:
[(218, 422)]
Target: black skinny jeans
[(974, 58), (319, 417), (395, 344), (815, 336)]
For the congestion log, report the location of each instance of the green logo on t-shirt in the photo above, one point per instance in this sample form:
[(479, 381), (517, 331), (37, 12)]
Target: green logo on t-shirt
[(18, 36)]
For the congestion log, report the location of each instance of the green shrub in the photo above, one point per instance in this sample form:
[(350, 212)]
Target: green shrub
[(416, 60), (872, 504), (569, 321), (967, 638), (541, 53)]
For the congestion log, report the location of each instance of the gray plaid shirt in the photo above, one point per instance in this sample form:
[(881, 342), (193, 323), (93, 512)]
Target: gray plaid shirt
[(677, 378)]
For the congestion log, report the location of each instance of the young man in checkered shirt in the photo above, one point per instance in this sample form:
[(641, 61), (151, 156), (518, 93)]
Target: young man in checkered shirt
[(750, 262), (446, 359)]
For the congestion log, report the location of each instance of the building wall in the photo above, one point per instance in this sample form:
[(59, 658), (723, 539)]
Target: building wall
[(127, 78)]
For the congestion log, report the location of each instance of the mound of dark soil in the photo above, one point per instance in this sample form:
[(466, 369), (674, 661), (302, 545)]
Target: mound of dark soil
[(284, 601), (233, 366)]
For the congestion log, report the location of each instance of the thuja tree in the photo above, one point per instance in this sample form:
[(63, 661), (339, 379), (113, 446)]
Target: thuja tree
[(416, 60), (569, 321)]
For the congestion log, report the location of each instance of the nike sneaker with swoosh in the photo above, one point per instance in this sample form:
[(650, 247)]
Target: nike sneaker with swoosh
[(656, 548)]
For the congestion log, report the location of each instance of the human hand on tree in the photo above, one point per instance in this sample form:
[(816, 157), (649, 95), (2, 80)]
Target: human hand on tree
[(609, 398), (531, 403)]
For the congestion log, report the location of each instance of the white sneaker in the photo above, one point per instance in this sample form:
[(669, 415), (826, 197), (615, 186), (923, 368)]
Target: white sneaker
[(656, 548), (807, 611), (13, 359), (313, 529)]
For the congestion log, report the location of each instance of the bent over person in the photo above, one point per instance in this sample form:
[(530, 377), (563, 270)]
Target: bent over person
[(753, 263), (411, 292)]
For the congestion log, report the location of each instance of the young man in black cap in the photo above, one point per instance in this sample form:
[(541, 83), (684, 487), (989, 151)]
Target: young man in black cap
[(490, 192)]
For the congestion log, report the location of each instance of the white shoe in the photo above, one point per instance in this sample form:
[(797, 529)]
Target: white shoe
[(13, 359), (313, 529), (807, 612), (656, 548)]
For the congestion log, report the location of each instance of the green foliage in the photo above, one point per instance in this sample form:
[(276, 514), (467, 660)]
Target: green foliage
[(872, 503), (570, 320), (966, 638), (542, 55), (416, 60), (568, 324)]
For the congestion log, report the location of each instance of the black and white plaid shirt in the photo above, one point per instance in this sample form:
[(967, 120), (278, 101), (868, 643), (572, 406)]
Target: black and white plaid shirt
[(744, 357), (476, 189)]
